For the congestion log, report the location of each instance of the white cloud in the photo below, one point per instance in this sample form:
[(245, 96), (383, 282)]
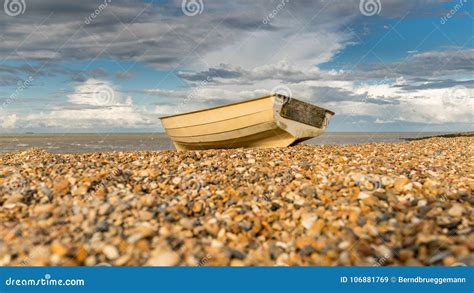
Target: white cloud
[(9, 121), (93, 104), (98, 93), (384, 100)]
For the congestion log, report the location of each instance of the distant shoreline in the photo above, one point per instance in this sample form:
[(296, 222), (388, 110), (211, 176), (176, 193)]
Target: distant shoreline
[(106, 142), (450, 135)]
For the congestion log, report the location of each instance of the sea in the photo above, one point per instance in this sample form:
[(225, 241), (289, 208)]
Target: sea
[(106, 142)]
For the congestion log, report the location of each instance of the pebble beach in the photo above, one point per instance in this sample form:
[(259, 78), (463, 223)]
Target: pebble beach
[(375, 204)]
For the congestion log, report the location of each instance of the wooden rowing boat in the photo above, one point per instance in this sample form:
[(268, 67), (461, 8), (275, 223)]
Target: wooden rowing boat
[(270, 121)]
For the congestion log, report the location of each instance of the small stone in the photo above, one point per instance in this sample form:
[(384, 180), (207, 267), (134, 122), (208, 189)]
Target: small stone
[(240, 169), (61, 185), (164, 258), (275, 206), (81, 190), (363, 195), (236, 263), (309, 191), (382, 195), (405, 255), (102, 227), (16, 197), (307, 250), (456, 210), (344, 245), (245, 225), (105, 209), (42, 209), (422, 203), (176, 180), (439, 257), (58, 249), (9, 206), (197, 207), (81, 254), (299, 176), (275, 251), (145, 215), (110, 252), (234, 253), (308, 220), (400, 184)]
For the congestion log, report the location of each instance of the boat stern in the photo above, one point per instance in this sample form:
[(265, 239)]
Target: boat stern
[(301, 119)]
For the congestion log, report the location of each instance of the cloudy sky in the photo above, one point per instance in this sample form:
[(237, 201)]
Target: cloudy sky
[(116, 65)]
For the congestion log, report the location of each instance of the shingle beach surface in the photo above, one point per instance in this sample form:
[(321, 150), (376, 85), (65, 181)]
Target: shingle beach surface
[(408, 203)]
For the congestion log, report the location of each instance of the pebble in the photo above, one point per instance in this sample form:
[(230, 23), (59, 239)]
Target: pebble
[(110, 252), (456, 210), (363, 195), (405, 203), (61, 185), (164, 258), (308, 220), (58, 249), (16, 197)]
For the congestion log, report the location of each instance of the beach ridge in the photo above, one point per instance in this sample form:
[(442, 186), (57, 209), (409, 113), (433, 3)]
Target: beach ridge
[(375, 204)]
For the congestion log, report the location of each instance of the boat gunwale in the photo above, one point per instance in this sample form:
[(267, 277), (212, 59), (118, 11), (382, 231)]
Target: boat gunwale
[(217, 107), (238, 103)]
